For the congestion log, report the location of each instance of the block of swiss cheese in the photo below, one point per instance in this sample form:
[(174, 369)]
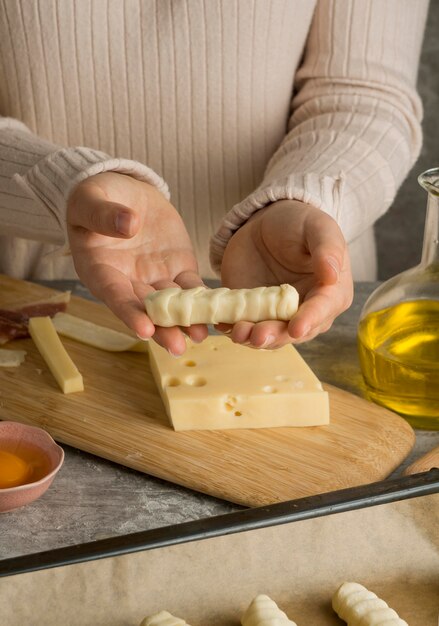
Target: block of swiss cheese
[(220, 385)]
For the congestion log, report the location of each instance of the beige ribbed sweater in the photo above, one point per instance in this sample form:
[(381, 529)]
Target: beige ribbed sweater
[(226, 103)]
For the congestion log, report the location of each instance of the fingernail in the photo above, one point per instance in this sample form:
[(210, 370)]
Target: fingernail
[(306, 330), (227, 332), (334, 264), (268, 340), (142, 338), (123, 222)]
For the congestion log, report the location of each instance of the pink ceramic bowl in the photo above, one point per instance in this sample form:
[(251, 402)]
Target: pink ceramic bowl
[(41, 443)]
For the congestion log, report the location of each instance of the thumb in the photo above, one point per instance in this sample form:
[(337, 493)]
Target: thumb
[(103, 217), (327, 247)]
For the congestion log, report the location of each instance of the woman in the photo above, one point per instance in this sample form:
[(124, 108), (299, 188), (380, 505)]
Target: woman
[(300, 115)]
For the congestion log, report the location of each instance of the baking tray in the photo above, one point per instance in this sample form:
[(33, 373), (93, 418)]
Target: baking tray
[(383, 492)]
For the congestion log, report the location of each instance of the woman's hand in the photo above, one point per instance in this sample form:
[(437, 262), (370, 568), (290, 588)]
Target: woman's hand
[(290, 242), (126, 240)]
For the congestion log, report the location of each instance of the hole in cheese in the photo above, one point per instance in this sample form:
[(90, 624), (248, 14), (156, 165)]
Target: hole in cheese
[(172, 382), (190, 363), (230, 402), (269, 389), (196, 381)]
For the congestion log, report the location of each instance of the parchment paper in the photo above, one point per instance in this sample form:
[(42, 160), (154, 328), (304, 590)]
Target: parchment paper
[(393, 549)]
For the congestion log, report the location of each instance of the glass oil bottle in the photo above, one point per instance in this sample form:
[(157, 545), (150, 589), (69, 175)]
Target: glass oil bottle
[(398, 334)]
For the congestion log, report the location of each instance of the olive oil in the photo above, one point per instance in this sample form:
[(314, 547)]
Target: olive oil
[(399, 355)]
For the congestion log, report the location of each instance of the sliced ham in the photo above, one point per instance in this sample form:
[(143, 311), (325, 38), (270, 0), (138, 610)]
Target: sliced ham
[(10, 329), (13, 322)]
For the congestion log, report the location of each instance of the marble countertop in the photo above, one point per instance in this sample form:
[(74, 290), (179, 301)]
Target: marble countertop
[(93, 499)]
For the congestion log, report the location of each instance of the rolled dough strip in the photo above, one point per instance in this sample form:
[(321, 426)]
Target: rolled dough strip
[(358, 606), (97, 336), (163, 619), (263, 611), (184, 307), (11, 358)]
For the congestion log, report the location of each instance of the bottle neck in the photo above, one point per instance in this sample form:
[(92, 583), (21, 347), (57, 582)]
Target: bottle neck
[(430, 247)]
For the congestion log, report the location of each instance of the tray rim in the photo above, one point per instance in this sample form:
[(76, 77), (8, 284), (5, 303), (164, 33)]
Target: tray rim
[(330, 503)]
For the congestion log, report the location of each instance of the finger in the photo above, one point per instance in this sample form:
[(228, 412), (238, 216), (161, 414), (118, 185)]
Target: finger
[(116, 290), (172, 339), (320, 307), (196, 332), (312, 335), (189, 279), (327, 247), (98, 215), (269, 333), (241, 332), (142, 289)]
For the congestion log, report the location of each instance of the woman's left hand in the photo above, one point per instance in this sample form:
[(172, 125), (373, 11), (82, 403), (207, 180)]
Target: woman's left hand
[(290, 242)]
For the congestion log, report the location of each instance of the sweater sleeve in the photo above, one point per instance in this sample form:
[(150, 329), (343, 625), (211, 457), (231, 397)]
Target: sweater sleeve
[(354, 131), (37, 177)]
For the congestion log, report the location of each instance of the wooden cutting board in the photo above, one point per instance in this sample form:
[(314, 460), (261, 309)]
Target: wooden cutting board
[(120, 417)]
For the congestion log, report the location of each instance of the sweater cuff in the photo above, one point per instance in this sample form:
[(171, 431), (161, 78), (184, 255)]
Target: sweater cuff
[(322, 192), (52, 179)]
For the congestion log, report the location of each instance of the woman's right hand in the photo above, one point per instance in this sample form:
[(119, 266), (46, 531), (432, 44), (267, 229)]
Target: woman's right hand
[(127, 240)]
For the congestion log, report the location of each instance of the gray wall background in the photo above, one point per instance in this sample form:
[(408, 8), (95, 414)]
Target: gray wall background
[(400, 232)]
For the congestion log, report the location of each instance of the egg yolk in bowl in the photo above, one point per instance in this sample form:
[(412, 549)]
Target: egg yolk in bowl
[(21, 467), (14, 471)]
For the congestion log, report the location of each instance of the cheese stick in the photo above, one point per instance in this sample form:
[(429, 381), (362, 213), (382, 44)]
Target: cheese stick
[(53, 352), (358, 606), (184, 307), (163, 619), (263, 611)]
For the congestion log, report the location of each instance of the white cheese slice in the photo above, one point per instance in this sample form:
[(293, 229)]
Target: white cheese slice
[(97, 336), (11, 358), (65, 372), (220, 385)]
